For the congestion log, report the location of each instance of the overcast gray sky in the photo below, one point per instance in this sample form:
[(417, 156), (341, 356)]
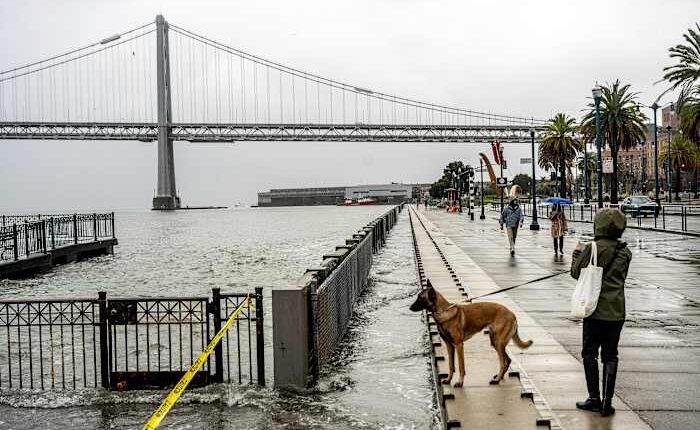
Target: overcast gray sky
[(531, 58)]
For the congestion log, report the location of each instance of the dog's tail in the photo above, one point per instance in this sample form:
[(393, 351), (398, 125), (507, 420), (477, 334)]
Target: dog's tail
[(519, 342)]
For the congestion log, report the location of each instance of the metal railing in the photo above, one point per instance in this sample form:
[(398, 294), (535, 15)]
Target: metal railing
[(669, 217), (344, 277), (126, 344), (24, 235)]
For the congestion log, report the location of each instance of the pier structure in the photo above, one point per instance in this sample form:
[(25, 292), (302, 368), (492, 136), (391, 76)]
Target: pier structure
[(30, 243)]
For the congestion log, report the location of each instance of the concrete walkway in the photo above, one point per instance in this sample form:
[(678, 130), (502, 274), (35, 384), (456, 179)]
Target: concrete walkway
[(477, 404), (659, 361)]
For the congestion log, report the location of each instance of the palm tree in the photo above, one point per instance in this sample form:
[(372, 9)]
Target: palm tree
[(686, 71), (622, 125), (559, 146), (694, 163), (689, 107), (681, 157)]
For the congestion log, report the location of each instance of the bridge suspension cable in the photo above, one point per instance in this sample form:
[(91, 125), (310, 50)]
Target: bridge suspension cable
[(114, 82), (99, 82), (386, 106)]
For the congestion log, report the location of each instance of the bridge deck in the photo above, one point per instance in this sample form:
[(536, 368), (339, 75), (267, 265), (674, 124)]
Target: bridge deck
[(210, 132)]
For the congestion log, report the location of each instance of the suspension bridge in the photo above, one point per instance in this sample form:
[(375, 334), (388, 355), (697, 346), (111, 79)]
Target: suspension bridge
[(161, 82)]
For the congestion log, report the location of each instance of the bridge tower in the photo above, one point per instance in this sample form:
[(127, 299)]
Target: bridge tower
[(166, 196)]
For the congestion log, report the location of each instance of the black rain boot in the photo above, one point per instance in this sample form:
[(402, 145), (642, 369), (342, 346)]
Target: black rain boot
[(609, 375), (592, 403)]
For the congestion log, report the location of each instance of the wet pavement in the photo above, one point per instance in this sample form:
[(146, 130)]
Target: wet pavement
[(660, 344)]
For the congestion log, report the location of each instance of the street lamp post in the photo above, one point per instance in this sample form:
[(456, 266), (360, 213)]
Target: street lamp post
[(586, 177), (481, 186), (654, 107), (459, 189), (597, 93), (503, 189), (668, 165), (534, 225)]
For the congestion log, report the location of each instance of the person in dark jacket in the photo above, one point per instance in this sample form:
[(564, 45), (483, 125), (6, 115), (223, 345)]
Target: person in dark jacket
[(601, 330), (512, 217)]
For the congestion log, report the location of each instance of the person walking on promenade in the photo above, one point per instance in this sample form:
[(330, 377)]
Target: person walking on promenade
[(558, 228), (601, 330), (512, 217)]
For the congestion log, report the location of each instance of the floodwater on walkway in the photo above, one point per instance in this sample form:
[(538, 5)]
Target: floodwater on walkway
[(380, 377)]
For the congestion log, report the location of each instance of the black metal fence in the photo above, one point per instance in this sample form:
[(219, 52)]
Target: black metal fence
[(683, 218), (24, 235), (127, 344)]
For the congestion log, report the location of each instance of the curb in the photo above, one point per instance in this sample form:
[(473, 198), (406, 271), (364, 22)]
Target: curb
[(546, 416)]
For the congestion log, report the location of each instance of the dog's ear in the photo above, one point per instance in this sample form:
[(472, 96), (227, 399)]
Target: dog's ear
[(431, 294)]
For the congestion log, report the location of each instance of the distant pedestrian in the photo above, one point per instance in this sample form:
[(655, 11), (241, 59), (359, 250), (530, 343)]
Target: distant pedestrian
[(558, 228), (601, 330), (512, 217)]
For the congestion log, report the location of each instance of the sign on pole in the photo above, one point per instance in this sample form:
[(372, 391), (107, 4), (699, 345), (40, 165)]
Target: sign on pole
[(501, 182), (608, 165), (526, 161)]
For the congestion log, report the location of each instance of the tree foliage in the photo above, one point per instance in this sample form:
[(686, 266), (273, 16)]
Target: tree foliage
[(559, 146), (524, 181), (686, 71), (437, 189), (621, 124)]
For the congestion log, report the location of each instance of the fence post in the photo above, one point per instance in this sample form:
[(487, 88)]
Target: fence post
[(26, 239), (113, 233), (75, 228), (104, 339), (218, 349), (684, 220), (663, 217), (94, 225), (260, 336), (43, 235), (14, 241), (53, 235)]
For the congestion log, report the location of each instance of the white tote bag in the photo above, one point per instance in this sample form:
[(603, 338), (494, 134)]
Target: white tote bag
[(587, 291)]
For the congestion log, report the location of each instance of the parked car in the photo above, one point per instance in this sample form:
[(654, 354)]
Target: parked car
[(639, 205)]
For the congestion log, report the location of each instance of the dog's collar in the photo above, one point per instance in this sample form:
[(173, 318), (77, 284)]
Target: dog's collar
[(436, 314)]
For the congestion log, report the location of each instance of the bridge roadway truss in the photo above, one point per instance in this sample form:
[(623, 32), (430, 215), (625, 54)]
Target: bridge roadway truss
[(204, 132)]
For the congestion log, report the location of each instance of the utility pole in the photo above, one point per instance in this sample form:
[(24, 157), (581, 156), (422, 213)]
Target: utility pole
[(534, 225), (481, 169)]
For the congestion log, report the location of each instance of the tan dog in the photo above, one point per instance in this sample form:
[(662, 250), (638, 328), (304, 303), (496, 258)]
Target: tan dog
[(457, 323)]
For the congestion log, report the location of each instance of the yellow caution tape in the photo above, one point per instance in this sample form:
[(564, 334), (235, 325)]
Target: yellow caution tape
[(182, 384)]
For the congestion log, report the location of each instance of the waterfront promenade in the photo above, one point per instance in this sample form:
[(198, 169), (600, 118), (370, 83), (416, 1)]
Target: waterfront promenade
[(659, 347)]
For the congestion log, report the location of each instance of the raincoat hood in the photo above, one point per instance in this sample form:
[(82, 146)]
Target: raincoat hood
[(609, 223)]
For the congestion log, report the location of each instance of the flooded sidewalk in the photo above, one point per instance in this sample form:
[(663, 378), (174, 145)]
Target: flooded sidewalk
[(659, 348)]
